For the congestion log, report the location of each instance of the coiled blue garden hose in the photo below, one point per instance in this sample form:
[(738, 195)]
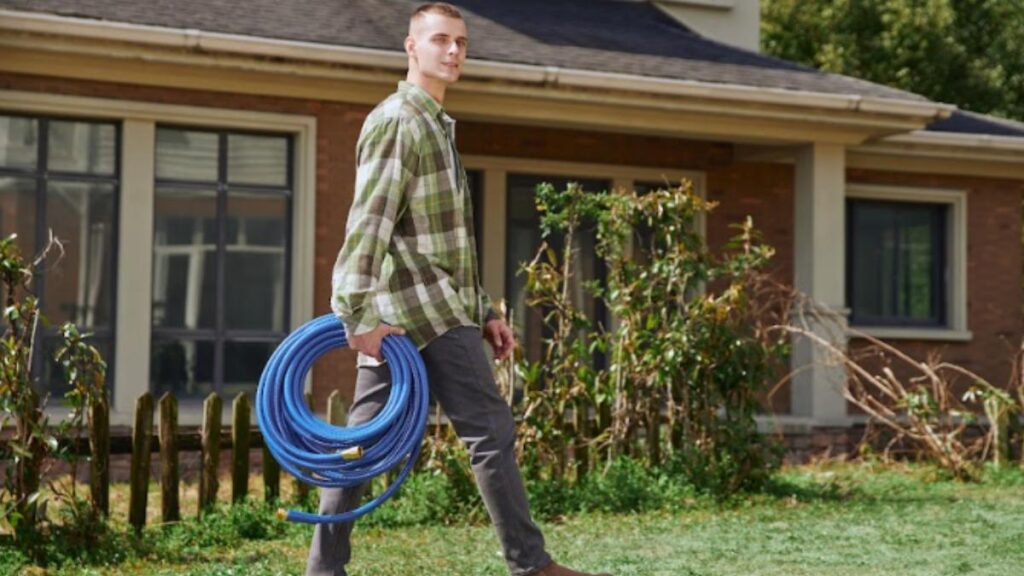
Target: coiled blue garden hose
[(320, 454)]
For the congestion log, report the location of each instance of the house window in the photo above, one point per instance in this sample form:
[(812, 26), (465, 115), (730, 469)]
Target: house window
[(523, 239), (897, 262), (61, 175), (221, 258)]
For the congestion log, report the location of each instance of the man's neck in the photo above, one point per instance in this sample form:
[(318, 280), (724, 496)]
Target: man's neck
[(435, 88)]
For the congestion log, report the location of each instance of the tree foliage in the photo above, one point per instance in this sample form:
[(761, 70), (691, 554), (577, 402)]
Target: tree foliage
[(965, 52)]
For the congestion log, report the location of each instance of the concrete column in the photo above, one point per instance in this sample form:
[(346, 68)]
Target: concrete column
[(493, 238), (134, 266), (820, 272)]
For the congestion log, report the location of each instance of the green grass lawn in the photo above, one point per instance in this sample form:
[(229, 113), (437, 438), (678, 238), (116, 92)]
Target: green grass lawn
[(827, 519)]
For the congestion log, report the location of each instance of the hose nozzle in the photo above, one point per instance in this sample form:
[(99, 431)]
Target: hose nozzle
[(353, 453)]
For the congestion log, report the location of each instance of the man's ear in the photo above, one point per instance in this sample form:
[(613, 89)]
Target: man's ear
[(410, 45)]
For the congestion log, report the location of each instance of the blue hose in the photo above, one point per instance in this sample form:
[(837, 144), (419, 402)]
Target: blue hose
[(320, 454)]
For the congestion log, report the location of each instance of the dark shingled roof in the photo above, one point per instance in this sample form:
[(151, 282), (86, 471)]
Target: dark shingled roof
[(618, 36), (627, 37), (966, 122)]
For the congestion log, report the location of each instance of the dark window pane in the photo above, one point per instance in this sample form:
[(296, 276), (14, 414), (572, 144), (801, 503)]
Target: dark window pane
[(184, 263), (265, 231), (18, 212), (523, 241), (919, 265), (231, 236), (243, 365), (897, 263), (257, 160), (19, 142), (186, 155), (85, 147), (178, 230), (255, 274), (210, 231), (255, 291), (182, 367), (79, 285), (645, 186), (174, 284)]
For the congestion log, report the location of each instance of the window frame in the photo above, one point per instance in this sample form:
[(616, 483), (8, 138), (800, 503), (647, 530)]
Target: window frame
[(494, 201), (939, 289), (138, 120), (41, 175), (955, 328), (598, 272), (220, 335)]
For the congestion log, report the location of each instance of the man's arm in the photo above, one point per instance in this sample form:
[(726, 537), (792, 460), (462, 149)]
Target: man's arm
[(496, 331), (490, 313), (386, 160)]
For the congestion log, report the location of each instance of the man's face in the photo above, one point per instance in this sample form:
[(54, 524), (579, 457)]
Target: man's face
[(437, 44)]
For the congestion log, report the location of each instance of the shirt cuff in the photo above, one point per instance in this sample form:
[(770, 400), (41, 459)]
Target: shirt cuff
[(491, 314), (360, 323)]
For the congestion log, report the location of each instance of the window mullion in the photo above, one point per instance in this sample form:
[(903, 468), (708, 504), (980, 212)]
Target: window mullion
[(222, 233), (897, 259), (289, 233), (939, 264), (41, 184), (38, 286)]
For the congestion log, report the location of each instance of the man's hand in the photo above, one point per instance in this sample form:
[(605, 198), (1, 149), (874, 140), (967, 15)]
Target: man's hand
[(500, 337), (369, 342)]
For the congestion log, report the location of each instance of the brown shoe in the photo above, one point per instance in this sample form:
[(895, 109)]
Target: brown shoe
[(554, 569)]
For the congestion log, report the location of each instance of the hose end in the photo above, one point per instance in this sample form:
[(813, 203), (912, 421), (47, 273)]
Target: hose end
[(282, 514), (353, 453)]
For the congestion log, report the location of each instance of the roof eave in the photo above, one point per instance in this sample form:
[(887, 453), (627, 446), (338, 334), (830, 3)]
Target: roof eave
[(1004, 152), (904, 114)]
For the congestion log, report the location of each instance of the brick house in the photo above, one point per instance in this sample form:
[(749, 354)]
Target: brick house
[(197, 157)]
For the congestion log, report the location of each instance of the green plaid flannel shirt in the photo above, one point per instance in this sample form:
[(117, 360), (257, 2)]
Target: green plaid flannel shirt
[(409, 257)]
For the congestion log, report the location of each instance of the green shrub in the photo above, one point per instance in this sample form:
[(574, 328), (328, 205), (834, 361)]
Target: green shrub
[(79, 537), (626, 486), (688, 357), (425, 498), (550, 498), (11, 558), (222, 527)]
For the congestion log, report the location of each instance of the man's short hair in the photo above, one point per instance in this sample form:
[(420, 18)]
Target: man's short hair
[(443, 8)]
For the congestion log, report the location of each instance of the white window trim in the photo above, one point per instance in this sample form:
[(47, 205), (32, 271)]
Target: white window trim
[(956, 329), (496, 169), (135, 249)]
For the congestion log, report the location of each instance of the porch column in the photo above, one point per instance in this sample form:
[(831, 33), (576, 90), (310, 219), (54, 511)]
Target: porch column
[(820, 272)]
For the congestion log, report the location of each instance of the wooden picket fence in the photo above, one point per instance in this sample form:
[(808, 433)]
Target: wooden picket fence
[(210, 444)]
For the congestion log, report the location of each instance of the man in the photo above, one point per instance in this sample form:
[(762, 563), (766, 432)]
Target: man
[(408, 266)]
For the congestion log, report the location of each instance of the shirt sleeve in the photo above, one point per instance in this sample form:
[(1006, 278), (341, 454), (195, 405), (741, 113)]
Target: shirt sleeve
[(386, 161)]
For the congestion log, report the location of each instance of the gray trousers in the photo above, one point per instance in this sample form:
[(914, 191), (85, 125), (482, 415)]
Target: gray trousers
[(462, 381)]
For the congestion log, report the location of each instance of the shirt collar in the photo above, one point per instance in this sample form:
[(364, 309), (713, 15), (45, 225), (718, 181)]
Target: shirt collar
[(423, 99)]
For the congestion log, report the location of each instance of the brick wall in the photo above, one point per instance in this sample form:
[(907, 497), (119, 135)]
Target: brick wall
[(760, 189), (764, 192), (994, 297)]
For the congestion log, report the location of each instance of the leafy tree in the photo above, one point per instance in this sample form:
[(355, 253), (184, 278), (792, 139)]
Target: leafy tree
[(965, 52)]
